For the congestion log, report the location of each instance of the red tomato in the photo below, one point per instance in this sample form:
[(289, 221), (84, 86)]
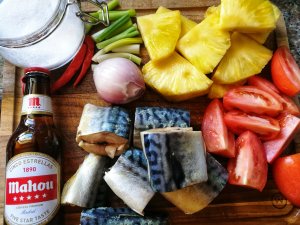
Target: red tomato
[(287, 177), (289, 125), (252, 100), (289, 106), (285, 72), (249, 168), (216, 136), (262, 84), (265, 127)]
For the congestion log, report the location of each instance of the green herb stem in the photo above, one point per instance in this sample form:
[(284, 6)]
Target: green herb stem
[(87, 27), (106, 32), (130, 32), (133, 49), (120, 29), (126, 55), (119, 43), (116, 14), (112, 4), (122, 42)]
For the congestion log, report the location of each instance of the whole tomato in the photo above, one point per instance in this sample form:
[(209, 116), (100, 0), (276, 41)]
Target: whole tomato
[(286, 173)]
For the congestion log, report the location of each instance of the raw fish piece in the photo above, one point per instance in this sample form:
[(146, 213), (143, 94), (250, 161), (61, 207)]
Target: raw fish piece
[(102, 194), (119, 216), (103, 130), (156, 117), (194, 198), (175, 157), (128, 179), (81, 189)]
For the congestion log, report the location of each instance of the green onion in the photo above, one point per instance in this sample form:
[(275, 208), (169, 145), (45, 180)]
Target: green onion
[(120, 29), (133, 49), (112, 4), (87, 27), (114, 15), (119, 43), (133, 58), (130, 32), (106, 32)]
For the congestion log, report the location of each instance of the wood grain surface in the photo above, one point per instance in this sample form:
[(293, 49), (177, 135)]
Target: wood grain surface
[(234, 205)]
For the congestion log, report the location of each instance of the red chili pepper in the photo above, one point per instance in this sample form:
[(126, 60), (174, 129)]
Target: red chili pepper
[(71, 70), (87, 61)]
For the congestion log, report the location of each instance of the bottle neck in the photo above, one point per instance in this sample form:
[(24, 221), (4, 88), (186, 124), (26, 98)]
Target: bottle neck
[(36, 100)]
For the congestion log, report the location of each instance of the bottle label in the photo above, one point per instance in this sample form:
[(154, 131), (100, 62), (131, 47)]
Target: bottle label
[(32, 194), (36, 104)]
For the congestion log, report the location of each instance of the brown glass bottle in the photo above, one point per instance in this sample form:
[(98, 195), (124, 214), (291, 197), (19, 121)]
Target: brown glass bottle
[(32, 194)]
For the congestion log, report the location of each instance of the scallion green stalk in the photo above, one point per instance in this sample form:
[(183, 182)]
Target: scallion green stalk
[(119, 43), (126, 55), (133, 49), (116, 14), (112, 4), (130, 32), (87, 27), (120, 29), (106, 32)]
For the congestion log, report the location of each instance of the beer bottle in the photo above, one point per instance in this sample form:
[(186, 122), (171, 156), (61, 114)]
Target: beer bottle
[(32, 191)]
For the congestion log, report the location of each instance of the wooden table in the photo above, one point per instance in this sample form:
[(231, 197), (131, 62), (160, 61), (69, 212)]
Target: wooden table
[(234, 205)]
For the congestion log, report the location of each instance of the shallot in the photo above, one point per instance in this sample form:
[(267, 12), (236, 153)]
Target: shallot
[(118, 80)]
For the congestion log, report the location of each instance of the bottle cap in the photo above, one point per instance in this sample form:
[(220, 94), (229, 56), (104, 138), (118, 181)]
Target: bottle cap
[(29, 70), (36, 69)]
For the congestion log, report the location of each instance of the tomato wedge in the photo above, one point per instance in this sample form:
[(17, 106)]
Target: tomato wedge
[(251, 99), (289, 106), (289, 126), (287, 177), (249, 168), (265, 127), (216, 136), (285, 72), (262, 84)]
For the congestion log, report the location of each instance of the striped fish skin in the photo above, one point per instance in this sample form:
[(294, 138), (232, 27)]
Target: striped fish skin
[(81, 189), (128, 179), (103, 130), (157, 117), (194, 198), (118, 216), (176, 159), (104, 119)]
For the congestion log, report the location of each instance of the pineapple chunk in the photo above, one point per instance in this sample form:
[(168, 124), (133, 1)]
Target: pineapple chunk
[(175, 78), (247, 16), (206, 44), (218, 90), (186, 24), (262, 37), (160, 33), (243, 59)]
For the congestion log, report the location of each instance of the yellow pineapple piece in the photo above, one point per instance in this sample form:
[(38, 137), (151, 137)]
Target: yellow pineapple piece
[(175, 78), (247, 16), (186, 24), (243, 59), (205, 44), (160, 33), (262, 37), (218, 90)]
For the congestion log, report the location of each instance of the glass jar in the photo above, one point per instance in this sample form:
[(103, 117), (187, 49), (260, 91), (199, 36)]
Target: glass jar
[(43, 33)]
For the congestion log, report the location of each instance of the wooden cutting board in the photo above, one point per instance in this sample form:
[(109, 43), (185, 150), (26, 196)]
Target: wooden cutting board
[(234, 205)]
